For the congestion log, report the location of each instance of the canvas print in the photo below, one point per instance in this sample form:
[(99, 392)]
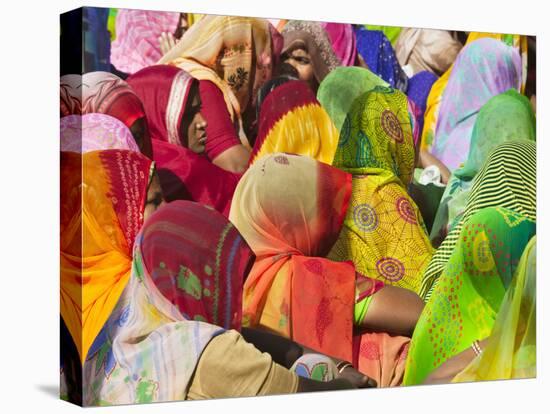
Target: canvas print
[(257, 206)]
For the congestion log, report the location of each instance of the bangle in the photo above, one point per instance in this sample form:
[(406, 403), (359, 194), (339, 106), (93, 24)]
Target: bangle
[(342, 365), (476, 347)]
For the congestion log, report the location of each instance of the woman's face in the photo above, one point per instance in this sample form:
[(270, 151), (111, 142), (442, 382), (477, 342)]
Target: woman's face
[(300, 59), (193, 125), (140, 132)]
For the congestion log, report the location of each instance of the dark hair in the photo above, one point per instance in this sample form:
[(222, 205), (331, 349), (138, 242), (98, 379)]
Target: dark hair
[(269, 86)]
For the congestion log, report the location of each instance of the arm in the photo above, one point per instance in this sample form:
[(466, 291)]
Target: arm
[(426, 159), (394, 310), (283, 351), (223, 146), (234, 159), (286, 352), (453, 366)]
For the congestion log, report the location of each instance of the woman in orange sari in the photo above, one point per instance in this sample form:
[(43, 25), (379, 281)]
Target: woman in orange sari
[(290, 210)]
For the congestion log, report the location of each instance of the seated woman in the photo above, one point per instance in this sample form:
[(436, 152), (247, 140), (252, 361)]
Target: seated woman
[(505, 117), (511, 350), (383, 232), (292, 120), (508, 180), (290, 209), (468, 295), (181, 136), (105, 93), (175, 102), (97, 248), (341, 87), (308, 48), (237, 54), (130, 328), (433, 103)]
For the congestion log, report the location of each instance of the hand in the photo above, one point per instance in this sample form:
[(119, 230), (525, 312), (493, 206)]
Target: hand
[(357, 379), (166, 41)]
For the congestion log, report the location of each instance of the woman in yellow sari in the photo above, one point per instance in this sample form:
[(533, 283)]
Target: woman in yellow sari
[(383, 232), (99, 222), (292, 120)]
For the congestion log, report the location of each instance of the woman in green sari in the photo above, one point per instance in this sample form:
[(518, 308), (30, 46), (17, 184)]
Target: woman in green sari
[(508, 180), (467, 297), (505, 117), (511, 351)]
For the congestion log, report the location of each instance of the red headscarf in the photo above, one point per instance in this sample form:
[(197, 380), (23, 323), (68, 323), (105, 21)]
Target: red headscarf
[(164, 90), (184, 175), (198, 260)]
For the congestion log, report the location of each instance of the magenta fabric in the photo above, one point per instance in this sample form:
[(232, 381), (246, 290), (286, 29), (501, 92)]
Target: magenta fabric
[(343, 41)]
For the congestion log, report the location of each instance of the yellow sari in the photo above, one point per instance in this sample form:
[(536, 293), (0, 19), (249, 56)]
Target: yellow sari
[(383, 232), (102, 207), (293, 121)]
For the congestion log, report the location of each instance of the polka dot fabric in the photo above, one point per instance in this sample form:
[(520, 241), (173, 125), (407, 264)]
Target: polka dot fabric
[(468, 295)]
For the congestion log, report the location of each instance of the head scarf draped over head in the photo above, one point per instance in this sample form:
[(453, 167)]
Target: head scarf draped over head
[(183, 174), (198, 261), (377, 52), (312, 37), (508, 180), (438, 88), (511, 351), (99, 223), (293, 121), (343, 41), (100, 92), (505, 117), (289, 209), (377, 135), (341, 87), (470, 291), (235, 53), (91, 132), (137, 31), (426, 50), (483, 69), (383, 231), (164, 91), (105, 93), (165, 317)]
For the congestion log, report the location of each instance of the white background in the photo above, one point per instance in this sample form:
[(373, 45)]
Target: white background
[(29, 284)]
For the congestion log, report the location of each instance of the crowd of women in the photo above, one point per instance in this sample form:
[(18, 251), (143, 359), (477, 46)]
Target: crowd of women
[(254, 206)]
